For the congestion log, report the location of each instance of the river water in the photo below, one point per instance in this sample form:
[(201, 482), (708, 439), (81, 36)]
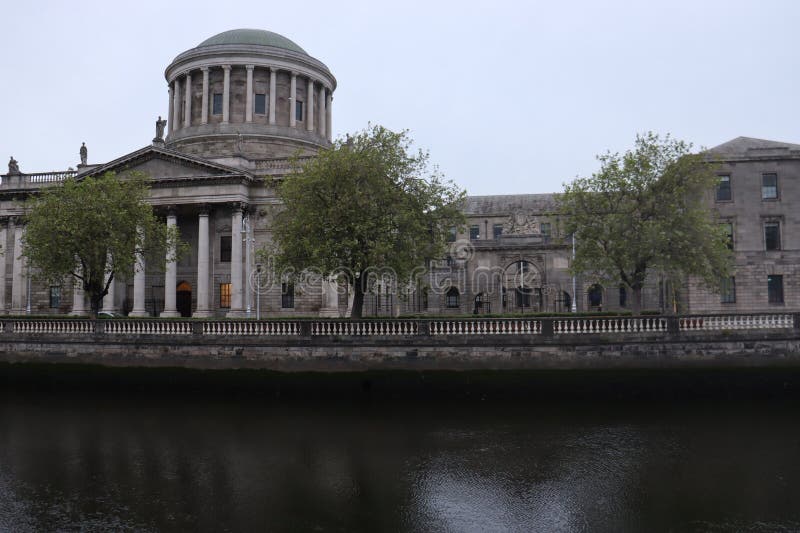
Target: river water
[(157, 462)]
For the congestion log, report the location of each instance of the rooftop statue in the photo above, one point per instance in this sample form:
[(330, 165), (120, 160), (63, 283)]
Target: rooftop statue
[(160, 124), (13, 166), (84, 153)]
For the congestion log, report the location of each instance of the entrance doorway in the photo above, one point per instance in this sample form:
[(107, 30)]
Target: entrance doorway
[(183, 300)]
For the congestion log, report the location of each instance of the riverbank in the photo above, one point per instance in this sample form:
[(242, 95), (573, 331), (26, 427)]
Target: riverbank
[(415, 386)]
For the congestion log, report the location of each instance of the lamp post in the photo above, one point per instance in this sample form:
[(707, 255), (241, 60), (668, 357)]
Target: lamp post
[(574, 282)]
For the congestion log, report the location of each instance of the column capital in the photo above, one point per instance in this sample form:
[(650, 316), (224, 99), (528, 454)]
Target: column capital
[(172, 210), (249, 67), (239, 206), (4, 221), (294, 73), (17, 220), (204, 69), (273, 69), (204, 210), (225, 67)]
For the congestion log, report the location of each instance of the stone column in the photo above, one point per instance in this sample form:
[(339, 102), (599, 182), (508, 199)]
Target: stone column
[(322, 114), (203, 256), (236, 262), (78, 296), (139, 277), (176, 105), (108, 299), (19, 275), (293, 101), (171, 116), (328, 125), (273, 75), (310, 105), (204, 110), (171, 275), (4, 245), (187, 104), (248, 109), (226, 93)]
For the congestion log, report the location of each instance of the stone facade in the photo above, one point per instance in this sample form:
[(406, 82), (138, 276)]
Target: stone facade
[(244, 101)]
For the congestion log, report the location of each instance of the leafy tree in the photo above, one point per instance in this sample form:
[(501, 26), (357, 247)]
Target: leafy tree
[(365, 203), (86, 229), (647, 210)]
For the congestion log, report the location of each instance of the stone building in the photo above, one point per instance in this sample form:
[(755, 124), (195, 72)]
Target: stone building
[(242, 102)]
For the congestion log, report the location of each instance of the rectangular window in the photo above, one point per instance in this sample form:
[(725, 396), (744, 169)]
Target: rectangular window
[(769, 186), (728, 290), (298, 111), (497, 230), (727, 227), (775, 289), (287, 295), (724, 189), (451, 234), (55, 296), (261, 104), (225, 249), (216, 104), (474, 233), (225, 295), (772, 236), (545, 229)]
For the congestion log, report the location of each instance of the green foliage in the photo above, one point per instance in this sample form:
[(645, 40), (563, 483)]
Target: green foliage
[(87, 229), (366, 203), (647, 210)]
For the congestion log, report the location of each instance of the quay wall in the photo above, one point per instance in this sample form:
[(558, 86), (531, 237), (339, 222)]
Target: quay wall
[(350, 346)]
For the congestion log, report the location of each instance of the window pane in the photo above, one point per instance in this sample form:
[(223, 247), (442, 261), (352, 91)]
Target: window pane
[(775, 289), (55, 296), (728, 228), (451, 234), (261, 104), (287, 295), (225, 249), (216, 108), (772, 236), (728, 290), (452, 298), (474, 233), (769, 186), (497, 230), (298, 110), (724, 189), (623, 296), (225, 295)]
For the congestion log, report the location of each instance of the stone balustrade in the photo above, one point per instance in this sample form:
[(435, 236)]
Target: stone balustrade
[(557, 327), (35, 180)]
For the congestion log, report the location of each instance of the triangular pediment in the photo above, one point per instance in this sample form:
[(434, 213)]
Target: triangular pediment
[(163, 164)]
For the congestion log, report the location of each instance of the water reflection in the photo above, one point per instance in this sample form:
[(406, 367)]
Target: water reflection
[(154, 463)]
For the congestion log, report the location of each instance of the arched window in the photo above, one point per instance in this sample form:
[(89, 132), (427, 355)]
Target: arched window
[(482, 304), (595, 295), (452, 298)]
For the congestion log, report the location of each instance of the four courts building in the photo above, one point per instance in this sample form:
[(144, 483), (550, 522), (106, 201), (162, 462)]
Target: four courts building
[(243, 102)]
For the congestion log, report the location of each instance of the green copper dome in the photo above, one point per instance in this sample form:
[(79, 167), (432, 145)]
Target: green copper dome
[(248, 36)]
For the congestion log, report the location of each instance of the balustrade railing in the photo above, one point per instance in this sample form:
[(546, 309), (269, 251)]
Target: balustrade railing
[(245, 327), (557, 327), (735, 322), (581, 326), (147, 327), (486, 326), (50, 177)]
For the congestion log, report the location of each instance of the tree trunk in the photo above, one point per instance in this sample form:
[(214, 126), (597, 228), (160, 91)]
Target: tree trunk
[(636, 303), (358, 298)]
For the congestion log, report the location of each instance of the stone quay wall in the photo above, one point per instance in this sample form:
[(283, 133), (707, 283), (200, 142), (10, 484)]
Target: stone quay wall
[(762, 340)]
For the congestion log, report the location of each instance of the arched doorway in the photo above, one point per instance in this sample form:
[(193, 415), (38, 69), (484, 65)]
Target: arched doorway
[(183, 300), (522, 288)]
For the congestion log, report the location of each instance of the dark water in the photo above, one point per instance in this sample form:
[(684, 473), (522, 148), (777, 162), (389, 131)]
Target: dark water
[(153, 462)]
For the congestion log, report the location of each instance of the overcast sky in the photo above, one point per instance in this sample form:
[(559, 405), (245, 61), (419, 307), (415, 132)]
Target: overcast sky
[(508, 97)]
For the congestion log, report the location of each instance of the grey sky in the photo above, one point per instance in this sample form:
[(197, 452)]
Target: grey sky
[(509, 97)]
